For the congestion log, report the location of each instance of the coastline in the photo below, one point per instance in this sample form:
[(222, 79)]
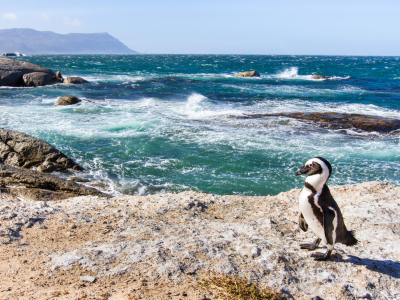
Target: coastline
[(144, 247)]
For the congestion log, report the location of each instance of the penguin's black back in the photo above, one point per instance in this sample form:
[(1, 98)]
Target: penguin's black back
[(343, 236)]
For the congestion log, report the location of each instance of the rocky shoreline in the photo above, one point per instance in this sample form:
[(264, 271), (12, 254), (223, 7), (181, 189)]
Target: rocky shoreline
[(65, 240), (17, 73), (161, 246)]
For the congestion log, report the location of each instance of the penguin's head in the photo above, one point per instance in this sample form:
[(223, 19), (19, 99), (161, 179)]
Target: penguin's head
[(316, 166)]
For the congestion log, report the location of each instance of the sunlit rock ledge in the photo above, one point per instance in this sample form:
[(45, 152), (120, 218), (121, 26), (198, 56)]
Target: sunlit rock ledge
[(178, 238)]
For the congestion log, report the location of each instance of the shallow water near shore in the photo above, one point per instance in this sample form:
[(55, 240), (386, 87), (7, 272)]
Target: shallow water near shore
[(164, 123)]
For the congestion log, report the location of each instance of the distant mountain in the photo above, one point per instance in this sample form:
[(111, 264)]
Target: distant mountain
[(30, 41)]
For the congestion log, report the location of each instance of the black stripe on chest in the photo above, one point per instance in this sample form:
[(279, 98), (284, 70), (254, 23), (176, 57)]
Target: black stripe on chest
[(316, 210)]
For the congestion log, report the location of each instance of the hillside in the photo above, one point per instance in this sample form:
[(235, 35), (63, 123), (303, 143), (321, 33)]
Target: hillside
[(30, 41)]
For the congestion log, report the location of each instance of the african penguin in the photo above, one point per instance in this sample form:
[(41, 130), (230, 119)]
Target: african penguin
[(320, 211)]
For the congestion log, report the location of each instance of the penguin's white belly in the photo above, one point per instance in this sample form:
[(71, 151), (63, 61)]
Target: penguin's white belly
[(309, 216)]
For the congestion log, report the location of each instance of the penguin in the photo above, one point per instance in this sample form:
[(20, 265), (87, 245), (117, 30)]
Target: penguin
[(319, 210)]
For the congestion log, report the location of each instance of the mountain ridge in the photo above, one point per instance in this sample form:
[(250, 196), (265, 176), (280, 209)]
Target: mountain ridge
[(31, 41)]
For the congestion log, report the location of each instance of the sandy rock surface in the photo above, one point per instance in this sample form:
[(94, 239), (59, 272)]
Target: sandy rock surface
[(160, 246)]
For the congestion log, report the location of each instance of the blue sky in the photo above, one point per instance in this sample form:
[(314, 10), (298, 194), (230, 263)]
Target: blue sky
[(351, 27)]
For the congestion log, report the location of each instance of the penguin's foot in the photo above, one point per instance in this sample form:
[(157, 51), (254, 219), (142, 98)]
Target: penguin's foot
[(321, 256), (311, 246)]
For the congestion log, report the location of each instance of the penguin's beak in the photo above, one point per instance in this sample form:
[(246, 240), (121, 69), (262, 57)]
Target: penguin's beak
[(303, 170)]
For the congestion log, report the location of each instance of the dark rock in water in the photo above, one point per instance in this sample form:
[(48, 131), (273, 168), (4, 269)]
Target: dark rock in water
[(334, 120), (75, 80), (12, 71), (320, 77), (38, 79), (248, 74), (22, 150), (11, 54), (67, 100), (39, 186)]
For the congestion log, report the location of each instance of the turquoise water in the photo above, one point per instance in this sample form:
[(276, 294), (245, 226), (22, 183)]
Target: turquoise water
[(166, 123)]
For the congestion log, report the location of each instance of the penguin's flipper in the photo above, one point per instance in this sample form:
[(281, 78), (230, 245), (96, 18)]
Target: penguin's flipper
[(302, 222), (329, 220)]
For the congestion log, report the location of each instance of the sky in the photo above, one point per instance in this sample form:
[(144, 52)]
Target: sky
[(286, 27)]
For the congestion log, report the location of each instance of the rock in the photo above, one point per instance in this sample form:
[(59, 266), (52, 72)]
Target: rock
[(334, 120), (128, 241), (248, 74), (88, 278), (38, 79), (10, 54), (67, 100), (21, 150), (59, 76), (320, 77), (12, 71), (77, 179), (75, 80), (39, 186)]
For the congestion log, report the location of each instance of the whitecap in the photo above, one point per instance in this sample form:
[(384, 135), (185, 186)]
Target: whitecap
[(293, 73)]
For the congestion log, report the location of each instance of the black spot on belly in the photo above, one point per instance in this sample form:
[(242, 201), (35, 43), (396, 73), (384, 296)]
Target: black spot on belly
[(316, 210)]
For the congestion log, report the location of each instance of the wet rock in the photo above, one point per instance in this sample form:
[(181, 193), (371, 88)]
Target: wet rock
[(75, 80), (12, 72), (248, 74), (320, 77), (39, 186), (9, 54), (77, 179), (38, 79), (334, 120), (21, 150), (67, 100), (59, 76)]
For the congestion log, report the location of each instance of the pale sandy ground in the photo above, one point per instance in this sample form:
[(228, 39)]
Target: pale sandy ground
[(160, 246)]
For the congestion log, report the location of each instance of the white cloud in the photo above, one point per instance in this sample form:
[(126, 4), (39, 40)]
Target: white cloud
[(10, 16), (46, 18), (73, 22)]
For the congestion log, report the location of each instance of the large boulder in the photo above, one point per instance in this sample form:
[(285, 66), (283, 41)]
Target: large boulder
[(248, 74), (67, 100), (34, 185), (21, 150), (38, 79), (12, 71), (75, 80)]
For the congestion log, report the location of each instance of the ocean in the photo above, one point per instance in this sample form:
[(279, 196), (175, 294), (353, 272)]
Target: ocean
[(168, 123)]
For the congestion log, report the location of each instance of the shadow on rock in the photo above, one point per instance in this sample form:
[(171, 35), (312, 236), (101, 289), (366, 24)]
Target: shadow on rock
[(388, 267)]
